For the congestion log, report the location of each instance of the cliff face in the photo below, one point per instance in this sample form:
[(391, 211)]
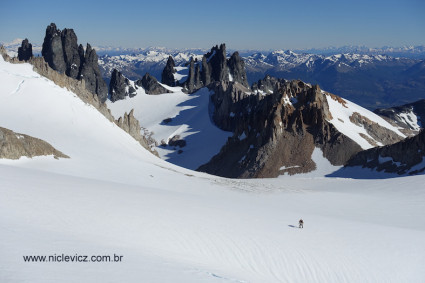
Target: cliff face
[(63, 54)]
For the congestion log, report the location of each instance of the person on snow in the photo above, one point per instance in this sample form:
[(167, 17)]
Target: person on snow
[(301, 223)]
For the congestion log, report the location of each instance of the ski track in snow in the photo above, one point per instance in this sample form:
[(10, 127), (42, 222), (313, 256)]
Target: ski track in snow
[(18, 87)]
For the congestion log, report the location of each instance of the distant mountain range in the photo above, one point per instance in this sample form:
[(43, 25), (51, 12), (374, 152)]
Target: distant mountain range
[(373, 81), (150, 60), (417, 52), (372, 77)]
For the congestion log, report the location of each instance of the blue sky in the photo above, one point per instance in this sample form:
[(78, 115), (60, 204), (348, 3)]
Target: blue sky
[(249, 24)]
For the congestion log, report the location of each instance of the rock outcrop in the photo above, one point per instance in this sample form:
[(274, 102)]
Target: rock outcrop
[(409, 117), (63, 54), (14, 146), (151, 85), (267, 85), (404, 157), (215, 67), (276, 133), (25, 51), (376, 131), (120, 87), (168, 73), (132, 126)]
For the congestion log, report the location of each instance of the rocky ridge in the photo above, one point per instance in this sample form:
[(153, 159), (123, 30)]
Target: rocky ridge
[(276, 127), (14, 146), (78, 87), (404, 157), (409, 117), (63, 54)]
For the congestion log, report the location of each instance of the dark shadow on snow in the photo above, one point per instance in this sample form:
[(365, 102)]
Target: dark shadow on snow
[(203, 140), (366, 174)]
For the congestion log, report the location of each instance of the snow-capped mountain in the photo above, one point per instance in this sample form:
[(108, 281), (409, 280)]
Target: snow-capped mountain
[(283, 59), (417, 52), (288, 60), (184, 134), (337, 126), (151, 60), (370, 80), (276, 129)]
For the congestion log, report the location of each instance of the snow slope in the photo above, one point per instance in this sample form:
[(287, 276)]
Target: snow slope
[(190, 120), (175, 225), (341, 120), (41, 109)]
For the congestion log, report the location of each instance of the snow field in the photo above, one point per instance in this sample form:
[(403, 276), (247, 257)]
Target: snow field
[(190, 120)]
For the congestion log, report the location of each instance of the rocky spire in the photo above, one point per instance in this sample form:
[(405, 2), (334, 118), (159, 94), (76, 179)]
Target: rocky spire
[(190, 82), (215, 67), (91, 74), (218, 63), (25, 51), (52, 49), (63, 54), (206, 73), (168, 72), (120, 87), (237, 69), (71, 55)]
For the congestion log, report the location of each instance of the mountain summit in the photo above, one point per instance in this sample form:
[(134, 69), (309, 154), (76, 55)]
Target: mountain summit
[(63, 54)]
